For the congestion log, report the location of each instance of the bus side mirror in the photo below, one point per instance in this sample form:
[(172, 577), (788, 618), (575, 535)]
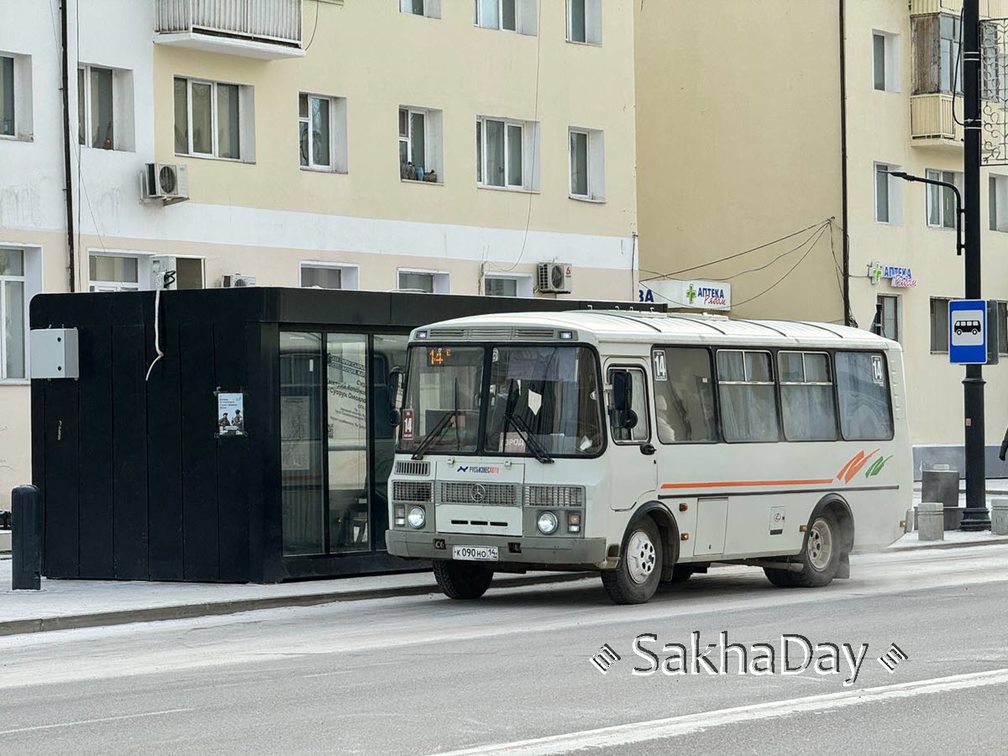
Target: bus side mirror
[(395, 382), (622, 393)]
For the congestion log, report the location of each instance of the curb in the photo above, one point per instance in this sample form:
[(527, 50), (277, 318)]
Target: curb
[(993, 541), (190, 611)]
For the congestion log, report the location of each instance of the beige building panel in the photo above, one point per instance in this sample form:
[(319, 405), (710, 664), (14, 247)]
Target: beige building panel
[(381, 59)]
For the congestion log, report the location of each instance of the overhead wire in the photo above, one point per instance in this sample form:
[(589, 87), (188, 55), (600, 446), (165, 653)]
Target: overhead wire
[(791, 270)]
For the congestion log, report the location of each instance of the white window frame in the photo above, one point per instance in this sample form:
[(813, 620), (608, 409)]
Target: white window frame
[(941, 193), (523, 288), (31, 280), (22, 80), (894, 194), (122, 107), (594, 161), (593, 23), (526, 16), (143, 282), (997, 203), (530, 154), (431, 8), (246, 128), (890, 61), (349, 273), (433, 153), (337, 134), (440, 279)]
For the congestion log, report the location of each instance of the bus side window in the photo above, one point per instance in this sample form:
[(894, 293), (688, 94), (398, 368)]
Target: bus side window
[(748, 396), (684, 395), (807, 403), (863, 389), (640, 431)]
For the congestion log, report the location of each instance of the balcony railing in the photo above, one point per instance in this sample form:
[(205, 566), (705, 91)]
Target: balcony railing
[(931, 120), (260, 28)]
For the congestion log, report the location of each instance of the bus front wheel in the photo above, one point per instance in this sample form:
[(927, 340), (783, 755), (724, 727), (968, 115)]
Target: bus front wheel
[(635, 579), (462, 580), (820, 561)]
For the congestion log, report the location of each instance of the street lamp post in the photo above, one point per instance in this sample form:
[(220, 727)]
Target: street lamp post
[(975, 516)]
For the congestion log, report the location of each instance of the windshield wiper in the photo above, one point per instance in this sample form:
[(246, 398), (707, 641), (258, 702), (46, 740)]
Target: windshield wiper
[(434, 433), (531, 442)]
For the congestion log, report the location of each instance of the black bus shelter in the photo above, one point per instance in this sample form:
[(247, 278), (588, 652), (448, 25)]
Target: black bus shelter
[(255, 449)]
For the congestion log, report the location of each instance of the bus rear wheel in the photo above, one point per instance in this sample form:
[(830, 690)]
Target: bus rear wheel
[(820, 561), (461, 580), (635, 579)]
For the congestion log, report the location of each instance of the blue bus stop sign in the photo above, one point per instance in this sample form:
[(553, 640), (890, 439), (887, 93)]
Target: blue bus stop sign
[(967, 330)]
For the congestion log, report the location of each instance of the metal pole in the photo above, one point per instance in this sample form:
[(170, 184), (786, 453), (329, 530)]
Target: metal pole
[(976, 516)]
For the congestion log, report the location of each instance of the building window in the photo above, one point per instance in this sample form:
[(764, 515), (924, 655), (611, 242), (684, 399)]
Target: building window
[(322, 132), (213, 120), (941, 201), (507, 285), (507, 15), (937, 57), (420, 152), (109, 272), (887, 321), (13, 301), (105, 108), (323, 275), (15, 96), (939, 325), (423, 281), (429, 8), (584, 21), (885, 61), (506, 153), (587, 164), (997, 202), (888, 195)]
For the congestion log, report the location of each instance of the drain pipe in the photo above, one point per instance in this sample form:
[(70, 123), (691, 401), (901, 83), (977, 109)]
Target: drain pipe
[(845, 238), (67, 146)]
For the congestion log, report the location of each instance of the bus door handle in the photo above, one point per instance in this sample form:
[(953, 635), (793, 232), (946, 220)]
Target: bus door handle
[(647, 449)]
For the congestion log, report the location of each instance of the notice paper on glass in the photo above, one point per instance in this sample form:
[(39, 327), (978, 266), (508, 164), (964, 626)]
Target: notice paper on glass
[(230, 414)]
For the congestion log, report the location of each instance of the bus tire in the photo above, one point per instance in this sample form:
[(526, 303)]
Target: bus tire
[(821, 558), (635, 579), (460, 580), (778, 577)]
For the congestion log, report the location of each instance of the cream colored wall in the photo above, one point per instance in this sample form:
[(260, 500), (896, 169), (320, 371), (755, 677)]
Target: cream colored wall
[(379, 59), (738, 144), (879, 130)]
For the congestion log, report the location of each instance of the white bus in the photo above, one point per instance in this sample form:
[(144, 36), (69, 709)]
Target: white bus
[(646, 446)]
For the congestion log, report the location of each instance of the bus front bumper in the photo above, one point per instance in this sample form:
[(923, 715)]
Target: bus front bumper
[(583, 553)]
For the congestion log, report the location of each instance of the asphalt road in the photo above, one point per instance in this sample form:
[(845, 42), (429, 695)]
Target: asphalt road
[(512, 673)]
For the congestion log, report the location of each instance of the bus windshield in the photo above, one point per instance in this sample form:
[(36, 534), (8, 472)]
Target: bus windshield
[(537, 401)]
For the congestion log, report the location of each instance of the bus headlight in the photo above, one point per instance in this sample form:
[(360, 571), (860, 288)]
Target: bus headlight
[(547, 523), (417, 517)]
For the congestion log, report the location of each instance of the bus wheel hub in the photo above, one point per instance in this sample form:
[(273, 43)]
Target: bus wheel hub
[(640, 557)]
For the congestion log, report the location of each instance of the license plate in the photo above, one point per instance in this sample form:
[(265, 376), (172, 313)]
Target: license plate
[(475, 553)]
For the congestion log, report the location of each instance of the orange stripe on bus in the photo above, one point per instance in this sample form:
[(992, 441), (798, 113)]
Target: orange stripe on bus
[(746, 483)]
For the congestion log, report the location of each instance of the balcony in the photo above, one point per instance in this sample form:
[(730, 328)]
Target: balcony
[(988, 8), (931, 121), (264, 29)]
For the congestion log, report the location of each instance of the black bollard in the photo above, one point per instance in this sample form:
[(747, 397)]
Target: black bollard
[(26, 538)]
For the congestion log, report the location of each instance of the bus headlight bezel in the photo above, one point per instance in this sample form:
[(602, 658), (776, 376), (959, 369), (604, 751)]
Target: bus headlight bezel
[(417, 517), (547, 523)]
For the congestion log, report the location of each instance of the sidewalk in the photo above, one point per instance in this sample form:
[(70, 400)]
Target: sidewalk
[(67, 604)]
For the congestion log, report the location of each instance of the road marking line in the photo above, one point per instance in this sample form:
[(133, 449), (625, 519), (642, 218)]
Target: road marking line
[(660, 729), (94, 721)]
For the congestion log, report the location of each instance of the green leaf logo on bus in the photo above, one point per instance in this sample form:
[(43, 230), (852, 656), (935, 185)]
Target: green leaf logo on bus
[(858, 462)]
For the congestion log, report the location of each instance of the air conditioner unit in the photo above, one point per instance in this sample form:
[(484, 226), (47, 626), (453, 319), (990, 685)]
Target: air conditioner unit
[(555, 278), (163, 273), (237, 281), (168, 183)]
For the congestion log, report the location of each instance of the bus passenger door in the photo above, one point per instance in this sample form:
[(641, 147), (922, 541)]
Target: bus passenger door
[(631, 458)]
